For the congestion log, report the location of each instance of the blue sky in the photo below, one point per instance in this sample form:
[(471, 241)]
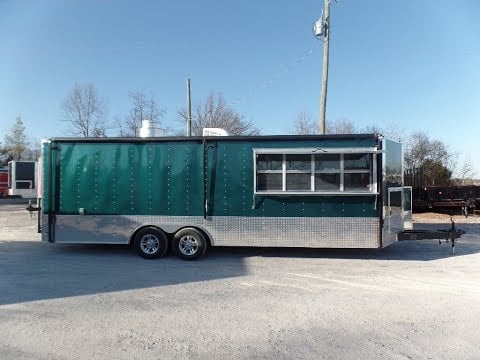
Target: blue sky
[(409, 64)]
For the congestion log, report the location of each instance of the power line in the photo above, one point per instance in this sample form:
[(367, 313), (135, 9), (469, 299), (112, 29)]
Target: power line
[(267, 83)]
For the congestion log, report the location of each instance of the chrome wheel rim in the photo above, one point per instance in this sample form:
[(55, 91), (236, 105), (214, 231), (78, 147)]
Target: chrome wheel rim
[(188, 245), (149, 244)]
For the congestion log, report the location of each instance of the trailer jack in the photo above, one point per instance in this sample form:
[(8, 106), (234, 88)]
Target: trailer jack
[(32, 209), (447, 235)]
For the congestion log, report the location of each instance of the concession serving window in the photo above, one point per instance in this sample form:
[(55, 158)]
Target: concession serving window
[(346, 171)]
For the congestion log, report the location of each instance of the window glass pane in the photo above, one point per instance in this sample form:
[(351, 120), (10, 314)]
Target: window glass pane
[(327, 162), (396, 199), (396, 202), (357, 161), (327, 182), (299, 162), (22, 184), (407, 206), (269, 162), (356, 182), (298, 182), (25, 171), (269, 182)]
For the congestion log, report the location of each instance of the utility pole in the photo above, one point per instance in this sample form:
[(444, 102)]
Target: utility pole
[(322, 31), (189, 110)]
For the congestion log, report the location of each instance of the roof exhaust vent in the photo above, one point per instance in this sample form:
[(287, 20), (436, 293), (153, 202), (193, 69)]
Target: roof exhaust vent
[(215, 132), (149, 129)]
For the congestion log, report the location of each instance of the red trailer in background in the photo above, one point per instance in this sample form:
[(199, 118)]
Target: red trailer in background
[(3, 182)]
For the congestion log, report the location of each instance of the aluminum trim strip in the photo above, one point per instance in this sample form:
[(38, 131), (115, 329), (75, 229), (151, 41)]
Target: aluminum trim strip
[(318, 150)]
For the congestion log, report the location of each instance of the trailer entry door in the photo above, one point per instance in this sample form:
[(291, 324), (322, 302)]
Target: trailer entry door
[(399, 210)]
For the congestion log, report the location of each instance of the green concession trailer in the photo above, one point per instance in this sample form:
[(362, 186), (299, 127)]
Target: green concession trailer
[(325, 191)]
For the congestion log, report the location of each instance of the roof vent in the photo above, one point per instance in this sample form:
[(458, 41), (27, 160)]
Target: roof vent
[(215, 132), (149, 129)]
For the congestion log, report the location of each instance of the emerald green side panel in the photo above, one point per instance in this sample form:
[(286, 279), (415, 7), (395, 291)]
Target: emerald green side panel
[(229, 179), (168, 178), (158, 178), (231, 185)]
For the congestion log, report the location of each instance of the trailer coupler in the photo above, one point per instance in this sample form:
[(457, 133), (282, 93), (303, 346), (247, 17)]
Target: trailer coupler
[(447, 235), (30, 208)]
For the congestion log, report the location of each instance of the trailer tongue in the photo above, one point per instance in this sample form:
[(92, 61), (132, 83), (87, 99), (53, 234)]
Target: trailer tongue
[(449, 235)]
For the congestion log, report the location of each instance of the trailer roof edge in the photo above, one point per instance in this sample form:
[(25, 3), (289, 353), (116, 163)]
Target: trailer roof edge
[(218, 138)]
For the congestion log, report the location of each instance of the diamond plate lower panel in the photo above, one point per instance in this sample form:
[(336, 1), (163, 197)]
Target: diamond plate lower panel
[(296, 232), (339, 232)]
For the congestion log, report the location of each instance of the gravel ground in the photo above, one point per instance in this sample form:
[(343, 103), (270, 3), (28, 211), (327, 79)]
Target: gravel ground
[(434, 218), (411, 300)]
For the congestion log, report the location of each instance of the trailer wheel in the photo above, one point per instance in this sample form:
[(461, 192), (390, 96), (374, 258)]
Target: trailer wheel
[(150, 243), (189, 244)]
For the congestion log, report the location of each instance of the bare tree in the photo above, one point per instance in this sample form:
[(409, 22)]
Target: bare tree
[(85, 111), (417, 150), (340, 126), (466, 170), (429, 158), (420, 148), (215, 112), (304, 125), (33, 151), (391, 132), (143, 108), (120, 126), (16, 142)]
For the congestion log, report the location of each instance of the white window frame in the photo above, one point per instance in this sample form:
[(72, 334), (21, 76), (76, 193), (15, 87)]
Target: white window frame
[(372, 189), (282, 172)]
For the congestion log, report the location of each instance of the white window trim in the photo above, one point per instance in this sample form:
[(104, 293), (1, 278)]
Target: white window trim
[(372, 188), (303, 151)]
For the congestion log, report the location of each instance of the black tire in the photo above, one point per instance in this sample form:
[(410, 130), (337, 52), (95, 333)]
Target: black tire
[(189, 244), (150, 243)]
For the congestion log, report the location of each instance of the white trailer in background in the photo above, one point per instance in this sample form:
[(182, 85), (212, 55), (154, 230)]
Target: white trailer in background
[(23, 179)]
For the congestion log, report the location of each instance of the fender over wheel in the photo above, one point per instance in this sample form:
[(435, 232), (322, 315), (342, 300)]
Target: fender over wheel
[(150, 243), (189, 244)]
